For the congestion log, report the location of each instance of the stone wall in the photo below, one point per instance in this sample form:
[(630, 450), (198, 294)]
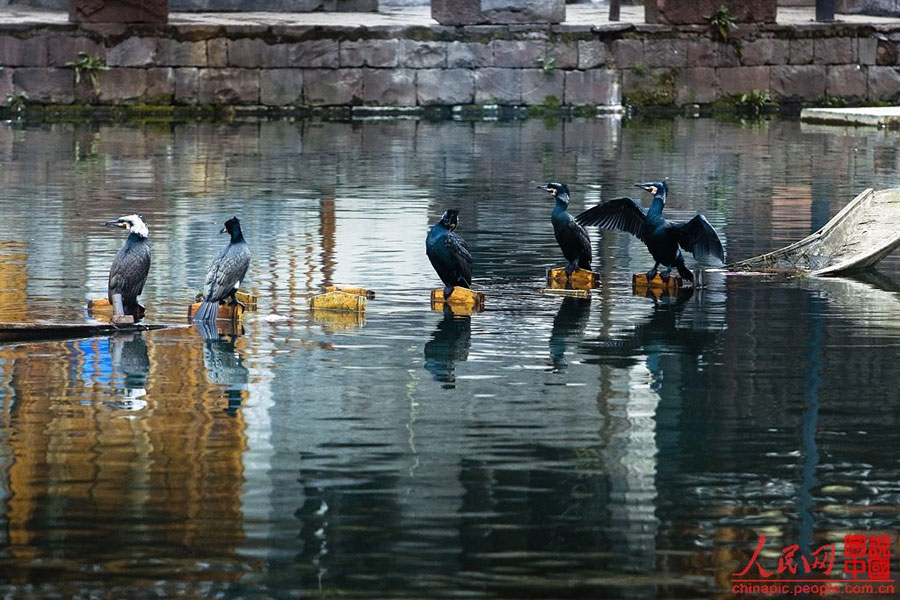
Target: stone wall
[(296, 66)]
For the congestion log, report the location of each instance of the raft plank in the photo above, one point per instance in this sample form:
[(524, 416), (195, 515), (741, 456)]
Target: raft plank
[(227, 312), (338, 300), (672, 285), (461, 298), (42, 330), (580, 279), (567, 293)]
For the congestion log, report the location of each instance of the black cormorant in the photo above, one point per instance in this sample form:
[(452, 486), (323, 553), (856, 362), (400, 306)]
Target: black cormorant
[(130, 267), (225, 273), (662, 237), (448, 253), (573, 240)]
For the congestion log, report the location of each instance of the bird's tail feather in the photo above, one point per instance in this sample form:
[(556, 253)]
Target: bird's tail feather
[(208, 311)]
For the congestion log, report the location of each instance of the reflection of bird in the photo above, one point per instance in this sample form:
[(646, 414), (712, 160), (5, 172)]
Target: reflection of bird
[(449, 343), (225, 273), (224, 365), (130, 267), (573, 240), (568, 326), (662, 237), (128, 354), (448, 253)]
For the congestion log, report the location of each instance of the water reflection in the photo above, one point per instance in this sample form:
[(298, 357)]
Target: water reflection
[(130, 360), (568, 329), (224, 363), (449, 343)]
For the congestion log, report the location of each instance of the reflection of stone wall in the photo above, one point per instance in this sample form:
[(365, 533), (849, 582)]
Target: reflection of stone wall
[(885, 8)]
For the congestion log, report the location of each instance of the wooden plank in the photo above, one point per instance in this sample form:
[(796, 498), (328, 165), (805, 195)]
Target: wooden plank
[(338, 301), (102, 307), (227, 312), (567, 293), (460, 299), (579, 279), (42, 330), (671, 285)]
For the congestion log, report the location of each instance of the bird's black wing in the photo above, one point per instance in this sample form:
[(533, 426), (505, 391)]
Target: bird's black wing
[(624, 214), (698, 237), (129, 270), (459, 250), (226, 272), (572, 235)]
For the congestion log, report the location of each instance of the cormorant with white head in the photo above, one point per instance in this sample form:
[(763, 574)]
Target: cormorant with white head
[(128, 272)]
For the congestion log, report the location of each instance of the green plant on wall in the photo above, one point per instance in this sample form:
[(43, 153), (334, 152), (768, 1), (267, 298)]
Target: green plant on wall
[(722, 22), (755, 102), (548, 64), (89, 67), (16, 101)]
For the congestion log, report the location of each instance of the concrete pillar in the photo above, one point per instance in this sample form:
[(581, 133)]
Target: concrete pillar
[(476, 12)]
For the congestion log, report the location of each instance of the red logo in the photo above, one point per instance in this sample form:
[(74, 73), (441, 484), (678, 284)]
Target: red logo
[(866, 569)]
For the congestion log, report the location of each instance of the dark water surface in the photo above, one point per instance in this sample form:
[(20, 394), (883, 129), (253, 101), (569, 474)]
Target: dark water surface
[(621, 447)]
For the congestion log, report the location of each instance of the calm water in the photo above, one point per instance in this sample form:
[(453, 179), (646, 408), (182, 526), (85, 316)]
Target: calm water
[(621, 447)]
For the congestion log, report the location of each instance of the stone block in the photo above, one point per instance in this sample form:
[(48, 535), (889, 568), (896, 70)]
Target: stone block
[(592, 54), (369, 53), (498, 86), (228, 86), (46, 85), (595, 87), (469, 55), (801, 52), (172, 53), (160, 85), (833, 51), (6, 86), (740, 80), (389, 87), (187, 85), (886, 53), (518, 54), (628, 53), (330, 87), (122, 86), (474, 12), (866, 50), (252, 53), (766, 51), (314, 54), (847, 81), (668, 53), (696, 85), (564, 55), (707, 53), (680, 12), (445, 86), (884, 84), (281, 87), (217, 52), (65, 48), (133, 52), (422, 55), (116, 11), (540, 86), (31, 52), (802, 82)]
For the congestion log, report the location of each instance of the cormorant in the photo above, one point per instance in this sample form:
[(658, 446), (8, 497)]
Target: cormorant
[(662, 237), (130, 267), (225, 273), (448, 253), (573, 240)]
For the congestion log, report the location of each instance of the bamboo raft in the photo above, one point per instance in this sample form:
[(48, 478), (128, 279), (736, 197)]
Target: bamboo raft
[(860, 235)]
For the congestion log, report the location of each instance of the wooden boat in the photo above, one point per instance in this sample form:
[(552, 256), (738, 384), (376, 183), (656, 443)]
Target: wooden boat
[(30, 332), (860, 235)]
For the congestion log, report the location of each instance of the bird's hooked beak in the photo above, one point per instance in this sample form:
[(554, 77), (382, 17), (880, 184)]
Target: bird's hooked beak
[(648, 187), (547, 189), (117, 223), (224, 230)]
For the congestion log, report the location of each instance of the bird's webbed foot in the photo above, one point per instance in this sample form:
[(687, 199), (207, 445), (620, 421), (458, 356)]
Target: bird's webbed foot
[(651, 274), (571, 268), (664, 275), (448, 290)]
